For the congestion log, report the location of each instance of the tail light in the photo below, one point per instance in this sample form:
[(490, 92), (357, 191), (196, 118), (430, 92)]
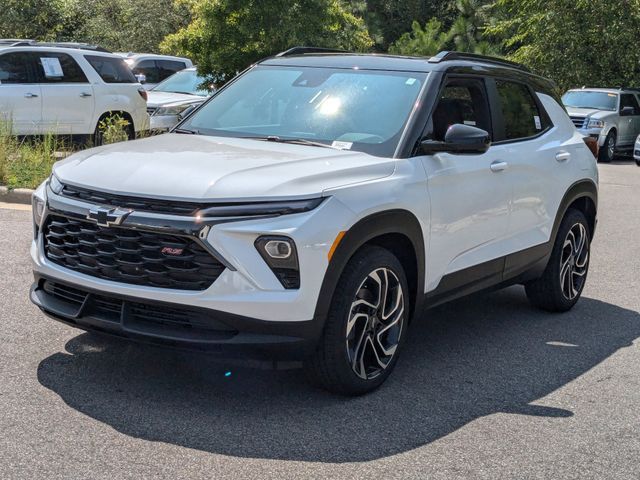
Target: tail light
[(592, 143), (143, 93)]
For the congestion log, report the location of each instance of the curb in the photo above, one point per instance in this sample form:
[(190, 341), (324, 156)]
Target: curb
[(17, 195)]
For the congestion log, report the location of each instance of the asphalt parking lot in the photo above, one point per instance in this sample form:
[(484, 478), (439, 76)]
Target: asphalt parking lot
[(487, 388)]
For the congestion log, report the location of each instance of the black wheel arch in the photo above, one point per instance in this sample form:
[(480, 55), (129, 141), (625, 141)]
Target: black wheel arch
[(582, 195), (396, 230)]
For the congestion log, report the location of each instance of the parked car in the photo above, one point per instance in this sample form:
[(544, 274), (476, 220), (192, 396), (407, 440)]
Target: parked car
[(151, 69), (316, 204), (611, 115), (636, 151), (67, 89), (176, 96)]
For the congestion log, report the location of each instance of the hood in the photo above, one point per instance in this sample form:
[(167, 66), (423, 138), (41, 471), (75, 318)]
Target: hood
[(589, 112), (160, 99), (195, 167)]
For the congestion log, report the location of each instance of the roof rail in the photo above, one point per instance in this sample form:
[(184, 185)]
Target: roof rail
[(446, 56), (13, 41), (76, 45), (306, 50)]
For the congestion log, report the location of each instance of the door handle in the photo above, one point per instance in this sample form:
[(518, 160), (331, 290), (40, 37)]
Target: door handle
[(30, 95), (563, 156), (498, 166), (85, 94)]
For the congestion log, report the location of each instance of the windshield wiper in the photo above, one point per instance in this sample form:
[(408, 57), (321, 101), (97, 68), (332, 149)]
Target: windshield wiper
[(186, 131), (297, 141)]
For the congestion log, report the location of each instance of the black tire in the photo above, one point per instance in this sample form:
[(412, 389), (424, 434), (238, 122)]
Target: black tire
[(638, 162), (331, 366), (606, 153), (550, 292)]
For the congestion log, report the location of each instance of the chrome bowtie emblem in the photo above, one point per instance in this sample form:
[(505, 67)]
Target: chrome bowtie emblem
[(107, 217)]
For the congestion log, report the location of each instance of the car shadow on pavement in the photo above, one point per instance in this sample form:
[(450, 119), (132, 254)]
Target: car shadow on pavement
[(475, 357)]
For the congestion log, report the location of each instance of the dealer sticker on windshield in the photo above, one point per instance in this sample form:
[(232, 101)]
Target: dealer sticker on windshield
[(342, 145), (536, 119)]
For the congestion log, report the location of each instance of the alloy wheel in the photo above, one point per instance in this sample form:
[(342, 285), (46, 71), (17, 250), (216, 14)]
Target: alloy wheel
[(375, 324), (574, 261)]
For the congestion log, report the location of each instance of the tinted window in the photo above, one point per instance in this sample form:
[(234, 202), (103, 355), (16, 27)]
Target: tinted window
[(628, 100), (110, 69), (169, 67), (56, 67), (186, 81), (350, 109), (14, 67), (520, 112), (149, 69), (462, 101)]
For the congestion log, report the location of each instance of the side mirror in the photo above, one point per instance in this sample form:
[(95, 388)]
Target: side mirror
[(183, 114), (459, 139)]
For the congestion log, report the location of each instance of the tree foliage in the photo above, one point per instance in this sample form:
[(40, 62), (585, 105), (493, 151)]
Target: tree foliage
[(225, 36), (574, 42), (33, 19), (466, 33)]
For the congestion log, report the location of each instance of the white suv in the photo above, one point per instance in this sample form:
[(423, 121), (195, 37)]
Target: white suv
[(315, 205), (67, 91)]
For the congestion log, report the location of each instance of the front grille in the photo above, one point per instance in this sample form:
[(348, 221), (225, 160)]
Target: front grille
[(129, 256), (578, 121), (137, 315), (168, 207)]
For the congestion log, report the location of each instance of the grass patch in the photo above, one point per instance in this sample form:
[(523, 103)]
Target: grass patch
[(25, 163)]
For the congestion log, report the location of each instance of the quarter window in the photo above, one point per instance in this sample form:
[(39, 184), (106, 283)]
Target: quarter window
[(522, 118), (57, 67)]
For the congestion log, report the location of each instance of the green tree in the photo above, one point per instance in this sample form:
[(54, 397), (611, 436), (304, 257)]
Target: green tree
[(420, 41), (32, 19), (226, 36), (466, 33), (125, 25), (574, 42)]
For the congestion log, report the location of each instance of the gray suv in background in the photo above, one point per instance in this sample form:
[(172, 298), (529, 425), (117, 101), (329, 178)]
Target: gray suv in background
[(610, 115)]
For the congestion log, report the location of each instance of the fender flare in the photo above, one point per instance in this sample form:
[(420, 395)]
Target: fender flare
[(388, 222), (580, 189)]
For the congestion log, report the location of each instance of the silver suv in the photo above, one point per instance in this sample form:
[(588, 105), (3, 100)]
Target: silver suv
[(610, 115)]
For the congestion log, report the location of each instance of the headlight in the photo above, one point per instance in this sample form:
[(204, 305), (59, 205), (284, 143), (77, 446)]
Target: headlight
[(55, 185), (174, 110), (595, 124), (280, 254)]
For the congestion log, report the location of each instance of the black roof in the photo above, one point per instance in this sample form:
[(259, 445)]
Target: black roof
[(444, 61)]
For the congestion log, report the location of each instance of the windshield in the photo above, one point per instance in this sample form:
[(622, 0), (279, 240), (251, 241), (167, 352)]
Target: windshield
[(594, 100), (185, 81), (350, 109)]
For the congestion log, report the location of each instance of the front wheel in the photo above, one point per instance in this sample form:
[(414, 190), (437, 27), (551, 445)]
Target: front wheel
[(606, 153), (564, 278), (365, 327)]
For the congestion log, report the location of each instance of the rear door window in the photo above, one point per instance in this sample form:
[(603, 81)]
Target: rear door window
[(110, 69), (169, 67), (16, 67), (55, 67), (520, 113)]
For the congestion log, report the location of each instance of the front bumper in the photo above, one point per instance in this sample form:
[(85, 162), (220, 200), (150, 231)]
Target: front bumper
[(173, 325)]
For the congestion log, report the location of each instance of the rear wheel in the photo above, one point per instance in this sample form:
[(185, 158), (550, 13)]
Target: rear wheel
[(563, 280), (608, 150), (365, 327)]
